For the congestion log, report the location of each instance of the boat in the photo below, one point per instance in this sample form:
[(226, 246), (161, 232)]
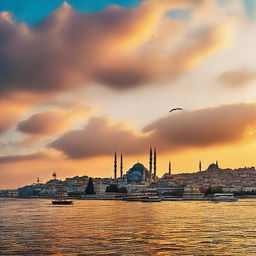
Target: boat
[(223, 197), (151, 199), (61, 197), (62, 202), (143, 197), (137, 197)]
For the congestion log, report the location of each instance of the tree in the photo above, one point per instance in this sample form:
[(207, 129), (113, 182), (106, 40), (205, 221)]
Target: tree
[(113, 188), (90, 189), (122, 190)]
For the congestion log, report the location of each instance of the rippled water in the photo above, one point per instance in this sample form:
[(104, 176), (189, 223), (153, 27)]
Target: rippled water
[(35, 227)]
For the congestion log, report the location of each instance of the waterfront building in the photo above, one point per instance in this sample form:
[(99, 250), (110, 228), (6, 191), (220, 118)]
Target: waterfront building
[(227, 179), (81, 181), (9, 193), (27, 191), (99, 186)]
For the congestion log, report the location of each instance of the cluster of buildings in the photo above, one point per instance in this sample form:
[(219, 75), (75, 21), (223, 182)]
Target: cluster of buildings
[(138, 178)]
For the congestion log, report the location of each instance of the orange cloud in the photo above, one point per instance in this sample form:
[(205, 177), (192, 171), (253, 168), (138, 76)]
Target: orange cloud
[(222, 125), (12, 107), (70, 49), (52, 121), (225, 124), (100, 137), (22, 157), (237, 78), (207, 41)]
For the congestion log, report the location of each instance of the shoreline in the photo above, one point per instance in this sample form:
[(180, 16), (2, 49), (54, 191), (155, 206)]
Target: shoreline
[(179, 199)]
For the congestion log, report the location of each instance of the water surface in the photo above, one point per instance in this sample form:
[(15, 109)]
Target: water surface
[(35, 227)]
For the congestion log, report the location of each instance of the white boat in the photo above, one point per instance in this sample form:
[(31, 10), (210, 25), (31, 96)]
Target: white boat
[(135, 197), (151, 199), (223, 197), (143, 197)]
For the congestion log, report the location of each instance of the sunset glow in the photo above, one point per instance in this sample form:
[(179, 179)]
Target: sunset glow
[(86, 81)]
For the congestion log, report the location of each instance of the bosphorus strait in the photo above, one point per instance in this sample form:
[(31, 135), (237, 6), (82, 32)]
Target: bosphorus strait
[(91, 227)]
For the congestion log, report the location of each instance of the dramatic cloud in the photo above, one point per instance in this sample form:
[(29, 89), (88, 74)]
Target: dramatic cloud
[(98, 138), (225, 124), (237, 78), (52, 121), (70, 49), (12, 107), (21, 157)]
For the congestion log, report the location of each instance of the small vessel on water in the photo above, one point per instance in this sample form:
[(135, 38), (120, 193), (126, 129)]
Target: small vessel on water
[(62, 201), (143, 197), (61, 197), (223, 197), (152, 199), (137, 197)]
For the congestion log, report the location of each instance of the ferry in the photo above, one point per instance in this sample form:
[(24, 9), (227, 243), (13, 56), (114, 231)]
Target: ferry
[(61, 200), (137, 197), (152, 199), (61, 197), (223, 197), (143, 197)]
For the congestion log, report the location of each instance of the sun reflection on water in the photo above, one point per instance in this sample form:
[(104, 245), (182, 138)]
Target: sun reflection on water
[(35, 227)]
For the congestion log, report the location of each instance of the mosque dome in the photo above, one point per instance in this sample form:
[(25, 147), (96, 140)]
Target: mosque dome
[(136, 173), (166, 176), (139, 166), (213, 167)]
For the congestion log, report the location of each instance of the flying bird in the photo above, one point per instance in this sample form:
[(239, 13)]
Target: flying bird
[(174, 109)]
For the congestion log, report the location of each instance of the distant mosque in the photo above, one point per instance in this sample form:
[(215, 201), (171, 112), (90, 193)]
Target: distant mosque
[(138, 173), (211, 168)]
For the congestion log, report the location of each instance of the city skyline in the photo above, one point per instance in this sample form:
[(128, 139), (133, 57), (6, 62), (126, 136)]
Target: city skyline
[(81, 80)]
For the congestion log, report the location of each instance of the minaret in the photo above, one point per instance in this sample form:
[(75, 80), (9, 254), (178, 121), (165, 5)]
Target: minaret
[(37, 180), (154, 163), (200, 166), (121, 166), (150, 164), (54, 175), (217, 164), (170, 168), (115, 166)]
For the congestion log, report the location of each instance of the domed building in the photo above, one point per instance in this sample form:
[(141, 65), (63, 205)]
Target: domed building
[(138, 173), (213, 167), (166, 176)]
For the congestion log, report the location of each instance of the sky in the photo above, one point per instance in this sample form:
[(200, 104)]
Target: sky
[(83, 79)]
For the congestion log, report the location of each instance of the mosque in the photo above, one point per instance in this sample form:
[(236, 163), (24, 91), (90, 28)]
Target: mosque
[(139, 173)]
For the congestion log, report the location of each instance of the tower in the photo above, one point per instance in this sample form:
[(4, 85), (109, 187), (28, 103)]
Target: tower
[(150, 164), (121, 166), (54, 175), (154, 163), (115, 166), (200, 166), (37, 180), (170, 168), (217, 164)]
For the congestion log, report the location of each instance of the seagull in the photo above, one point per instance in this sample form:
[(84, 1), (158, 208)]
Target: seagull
[(174, 109)]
